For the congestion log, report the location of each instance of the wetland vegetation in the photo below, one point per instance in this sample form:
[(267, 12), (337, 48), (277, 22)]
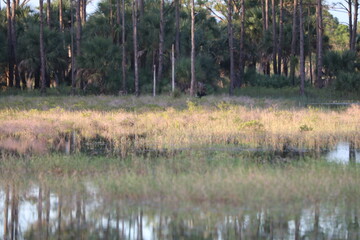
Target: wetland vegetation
[(167, 168)]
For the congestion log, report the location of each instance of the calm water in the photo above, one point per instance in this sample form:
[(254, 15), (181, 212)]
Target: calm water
[(36, 213)]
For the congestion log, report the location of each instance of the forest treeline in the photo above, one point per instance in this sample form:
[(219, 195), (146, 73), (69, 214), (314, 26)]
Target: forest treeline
[(159, 46)]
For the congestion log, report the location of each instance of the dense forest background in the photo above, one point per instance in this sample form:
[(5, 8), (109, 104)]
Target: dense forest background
[(205, 46)]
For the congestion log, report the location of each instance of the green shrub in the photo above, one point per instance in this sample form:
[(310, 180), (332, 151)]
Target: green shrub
[(348, 81)]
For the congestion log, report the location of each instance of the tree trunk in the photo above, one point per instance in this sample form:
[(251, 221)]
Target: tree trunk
[(61, 24), (10, 49), (266, 14), (281, 35), (118, 22), (319, 45), (42, 49), (161, 43), (83, 12), (231, 47), (354, 30), (78, 36), (302, 53), (350, 23), (73, 63), (274, 37), (310, 50), (293, 43), (141, 7), (267, 63), (78, 28), (242, 40), (193, 77), (14, 43), (111, 20), (177, 28), (48, 13), (263, 16), (123, 62), (136, 73)]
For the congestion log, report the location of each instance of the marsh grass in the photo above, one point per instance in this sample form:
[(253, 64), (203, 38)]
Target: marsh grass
[(169, 124), (197, 177)]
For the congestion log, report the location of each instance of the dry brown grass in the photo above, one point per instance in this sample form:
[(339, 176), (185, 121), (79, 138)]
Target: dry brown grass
[(171, 128)]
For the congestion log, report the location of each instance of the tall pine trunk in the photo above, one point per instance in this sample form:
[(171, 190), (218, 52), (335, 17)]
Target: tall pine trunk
[(78, 30), (231, 47), (350, 22), (319, 44), (136, 71), (73, 62), (111, 21), (118, 23), (42, 49), (264, 18), (281, 35), (177, 28), (267, 14), (242, 40), (267, 63), (302, 53), (123, 43), (310, 50), (274, 37), (161, 44), (14, 43), (61, 24), (83, 11), (10, 50), (48, 13), (141, 7), (354, 29), (293, 43), (193, 77)]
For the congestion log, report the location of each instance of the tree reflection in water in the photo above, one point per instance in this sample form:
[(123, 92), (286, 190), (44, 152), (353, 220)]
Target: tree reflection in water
[(39, 212)]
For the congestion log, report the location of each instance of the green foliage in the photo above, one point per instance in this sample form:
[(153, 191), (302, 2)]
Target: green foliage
[(348, 81), (102, 60), (253, 125), (192, 105), (336, 62), (253, 78), (305, 128), (55, 54), (343, 66)]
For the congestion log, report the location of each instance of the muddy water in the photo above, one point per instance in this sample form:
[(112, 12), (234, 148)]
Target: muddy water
[(41, 213)]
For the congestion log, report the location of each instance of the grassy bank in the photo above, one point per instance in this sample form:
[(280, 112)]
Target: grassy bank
[(217, 178), (129, 124)]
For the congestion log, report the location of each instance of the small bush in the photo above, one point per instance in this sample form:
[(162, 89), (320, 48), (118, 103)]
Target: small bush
[(253, 125), (305, 128), (348, 81), (255, 79)]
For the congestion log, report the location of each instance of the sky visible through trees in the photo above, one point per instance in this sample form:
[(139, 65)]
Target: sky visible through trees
[(340, 14)]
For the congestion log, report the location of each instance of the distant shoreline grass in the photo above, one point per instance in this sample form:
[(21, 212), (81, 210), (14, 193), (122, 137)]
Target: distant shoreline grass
[(312, 94)]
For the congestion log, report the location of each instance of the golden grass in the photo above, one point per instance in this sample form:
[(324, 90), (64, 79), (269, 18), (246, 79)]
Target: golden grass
[(198, 124)]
